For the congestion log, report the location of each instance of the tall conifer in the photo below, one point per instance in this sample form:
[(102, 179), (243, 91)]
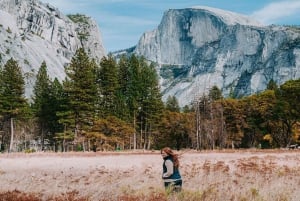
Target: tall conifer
[(81, 89), (42, 105), (12, 94), (108, 83), (151, 102), (172, 104), (122, 94)]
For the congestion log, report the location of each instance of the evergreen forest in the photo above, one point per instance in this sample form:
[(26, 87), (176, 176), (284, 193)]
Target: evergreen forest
[(117, 105)]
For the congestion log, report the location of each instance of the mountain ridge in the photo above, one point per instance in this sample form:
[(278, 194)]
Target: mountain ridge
[(195, 50), (231, 18), (33, 32)]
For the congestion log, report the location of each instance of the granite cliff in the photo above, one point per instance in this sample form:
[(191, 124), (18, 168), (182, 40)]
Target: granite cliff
[(32, 32), (197, 48)]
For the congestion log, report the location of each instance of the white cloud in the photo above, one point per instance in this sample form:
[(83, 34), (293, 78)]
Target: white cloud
[(273, 12)]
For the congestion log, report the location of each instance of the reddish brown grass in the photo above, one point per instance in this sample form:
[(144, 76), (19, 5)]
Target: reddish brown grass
[(207, 176), (16, 195)]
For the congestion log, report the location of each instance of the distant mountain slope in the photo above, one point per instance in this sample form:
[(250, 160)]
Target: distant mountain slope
[(32, 32), (196, 48)]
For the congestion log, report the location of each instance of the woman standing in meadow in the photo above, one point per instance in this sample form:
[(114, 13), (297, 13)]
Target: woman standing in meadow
[(171, 175)]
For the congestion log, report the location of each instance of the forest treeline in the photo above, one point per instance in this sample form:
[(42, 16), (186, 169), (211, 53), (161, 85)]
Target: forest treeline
[(117, 105)]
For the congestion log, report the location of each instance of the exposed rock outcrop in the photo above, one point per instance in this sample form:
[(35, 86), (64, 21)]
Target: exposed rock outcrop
[(197, 48), (32, 32)]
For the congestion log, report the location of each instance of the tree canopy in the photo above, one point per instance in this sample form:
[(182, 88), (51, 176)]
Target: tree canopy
[(117, 104)]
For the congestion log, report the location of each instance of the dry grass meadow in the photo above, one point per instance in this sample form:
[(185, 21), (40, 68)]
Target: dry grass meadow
[(239, 175)]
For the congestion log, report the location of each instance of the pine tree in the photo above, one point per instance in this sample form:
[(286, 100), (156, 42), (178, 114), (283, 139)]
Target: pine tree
[(1, 94), (54, 104), (42, 105), (81, 89), (108, 84), (12, 94), (151, 105), (122, 94), (172, 104), (215, 93), (65, 115), (134, 92), (134, 84), (57, 100), (1, 111)]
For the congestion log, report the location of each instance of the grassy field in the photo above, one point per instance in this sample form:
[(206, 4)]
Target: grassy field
[(240, 175)]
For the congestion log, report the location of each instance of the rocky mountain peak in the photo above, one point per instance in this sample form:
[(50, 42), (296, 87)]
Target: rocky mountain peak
[(197, 48), (228, 17), (32, 32)]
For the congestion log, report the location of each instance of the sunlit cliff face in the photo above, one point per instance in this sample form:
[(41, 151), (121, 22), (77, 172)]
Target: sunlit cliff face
[(32, 32), (201, 47)]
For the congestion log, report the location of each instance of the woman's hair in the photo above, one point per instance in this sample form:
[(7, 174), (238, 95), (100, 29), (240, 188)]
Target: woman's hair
[(174, 156)]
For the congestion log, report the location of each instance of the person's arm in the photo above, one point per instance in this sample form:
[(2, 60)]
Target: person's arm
[(170, 168)]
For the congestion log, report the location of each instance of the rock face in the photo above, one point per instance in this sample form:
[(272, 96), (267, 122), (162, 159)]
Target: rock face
[(32, 32), (197, 48), (194, 48)]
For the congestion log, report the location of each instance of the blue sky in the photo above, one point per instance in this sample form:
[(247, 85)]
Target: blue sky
[(122, 22)]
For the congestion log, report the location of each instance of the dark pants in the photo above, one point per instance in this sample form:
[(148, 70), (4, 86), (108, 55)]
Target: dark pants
[(174, 186)]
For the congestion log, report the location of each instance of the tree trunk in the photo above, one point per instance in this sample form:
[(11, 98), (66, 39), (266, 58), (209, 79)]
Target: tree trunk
[(198, 126), (134, 134), (42, 138), (1, 139), (11, 134), (149, 138)]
